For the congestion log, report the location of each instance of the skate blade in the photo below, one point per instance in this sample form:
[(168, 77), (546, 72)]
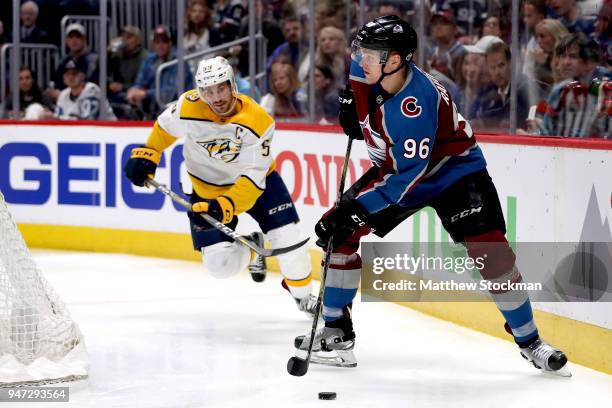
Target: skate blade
[(334, 358), (562, 372)]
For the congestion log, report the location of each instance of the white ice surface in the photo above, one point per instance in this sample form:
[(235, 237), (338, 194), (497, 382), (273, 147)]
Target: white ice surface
[(162, 333)]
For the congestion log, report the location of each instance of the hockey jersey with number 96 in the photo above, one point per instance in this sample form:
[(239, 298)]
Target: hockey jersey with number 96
[(416, 138), (227, 156)]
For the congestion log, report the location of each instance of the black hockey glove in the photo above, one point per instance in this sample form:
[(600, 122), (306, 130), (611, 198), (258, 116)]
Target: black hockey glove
[(142, 163), (341, 222), (348, 114)]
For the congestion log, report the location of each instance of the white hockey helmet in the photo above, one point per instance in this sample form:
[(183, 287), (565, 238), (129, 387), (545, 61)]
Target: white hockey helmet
[(215, 71)]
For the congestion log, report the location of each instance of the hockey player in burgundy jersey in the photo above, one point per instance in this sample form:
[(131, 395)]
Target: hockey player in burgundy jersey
[(423, 154)]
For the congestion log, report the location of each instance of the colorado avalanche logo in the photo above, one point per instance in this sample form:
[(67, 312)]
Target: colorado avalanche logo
[(410, 107), (377, 148)]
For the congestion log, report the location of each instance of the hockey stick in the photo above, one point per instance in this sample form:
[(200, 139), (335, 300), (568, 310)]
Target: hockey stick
[(224, 228), (298, 366)]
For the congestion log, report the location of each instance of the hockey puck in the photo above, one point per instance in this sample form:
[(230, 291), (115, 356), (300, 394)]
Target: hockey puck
[(327, 395)]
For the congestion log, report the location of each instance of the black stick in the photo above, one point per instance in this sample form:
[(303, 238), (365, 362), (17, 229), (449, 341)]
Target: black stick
[(298, 366), (224, 228)]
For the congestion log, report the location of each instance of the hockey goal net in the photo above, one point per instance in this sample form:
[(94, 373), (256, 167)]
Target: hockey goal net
[(39, 343)]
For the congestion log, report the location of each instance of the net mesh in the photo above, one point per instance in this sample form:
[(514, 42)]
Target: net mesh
[(35, 325)]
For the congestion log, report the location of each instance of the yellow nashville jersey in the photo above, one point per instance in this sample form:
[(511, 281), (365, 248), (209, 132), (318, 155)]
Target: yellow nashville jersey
[(228, 155)]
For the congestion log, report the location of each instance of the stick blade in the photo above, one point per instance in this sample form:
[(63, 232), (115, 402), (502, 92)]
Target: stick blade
[(297, 366), (280, 251)]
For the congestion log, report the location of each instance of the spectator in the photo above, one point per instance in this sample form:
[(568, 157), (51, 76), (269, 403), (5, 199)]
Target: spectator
[(81, 100), (125, 62), (471, 76), (30, 33), (270, 29), (326, 95), (199, 33), (571, 16), (447, 82), (446, 48), (579, 62), (227, 17), (539, 62), (556, 72), (548, 33), (269, 25), (395, 8), (277, 9), (496, 26), (534, 11), (332, 52), (286, 98), (292, 48), (142, 94), (579, 58), (491, 110), (123, 66), (469, 14), (483, 44), (76, 41), (52, 12), (603, 32), (31, 101), (330, 13)]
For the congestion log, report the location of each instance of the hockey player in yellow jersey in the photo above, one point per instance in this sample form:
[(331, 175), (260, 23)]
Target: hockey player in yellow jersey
[(227, 139)]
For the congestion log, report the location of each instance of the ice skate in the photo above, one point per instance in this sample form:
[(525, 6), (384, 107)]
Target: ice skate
[(333, 344), (258, 266), (308, 305), (546, 358)]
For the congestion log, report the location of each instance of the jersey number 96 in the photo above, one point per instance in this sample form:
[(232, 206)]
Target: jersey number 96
[(412, 148)]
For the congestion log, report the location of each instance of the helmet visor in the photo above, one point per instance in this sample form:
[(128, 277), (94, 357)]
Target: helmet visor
[(367, 56)]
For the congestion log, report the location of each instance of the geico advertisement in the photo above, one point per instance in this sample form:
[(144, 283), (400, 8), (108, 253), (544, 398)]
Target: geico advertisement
[(73, 175)]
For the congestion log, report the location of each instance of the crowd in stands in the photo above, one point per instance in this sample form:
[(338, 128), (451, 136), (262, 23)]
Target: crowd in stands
[(563, 57)]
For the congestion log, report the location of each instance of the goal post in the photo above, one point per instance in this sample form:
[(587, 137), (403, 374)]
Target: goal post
[(39, 342)]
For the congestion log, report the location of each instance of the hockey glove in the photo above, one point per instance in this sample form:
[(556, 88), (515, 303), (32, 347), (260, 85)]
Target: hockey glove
[(348, 114), (221, 208), (142, 163), (341, 222)]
